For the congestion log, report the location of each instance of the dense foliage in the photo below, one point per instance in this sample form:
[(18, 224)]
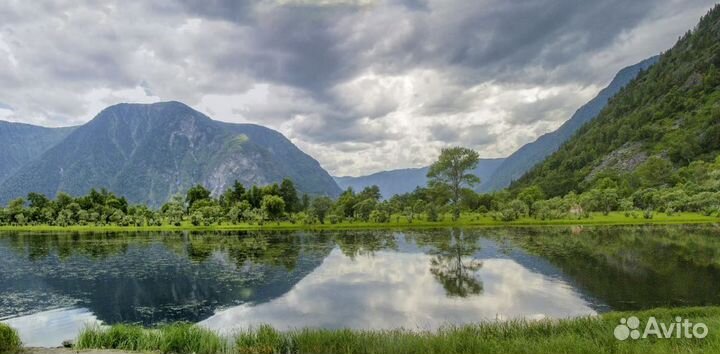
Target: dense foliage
[(654, 187), (667, 118), (531, 154)]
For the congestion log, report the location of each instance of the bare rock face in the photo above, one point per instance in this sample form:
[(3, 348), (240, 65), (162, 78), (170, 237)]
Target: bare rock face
[(150, 152), (622, 160)]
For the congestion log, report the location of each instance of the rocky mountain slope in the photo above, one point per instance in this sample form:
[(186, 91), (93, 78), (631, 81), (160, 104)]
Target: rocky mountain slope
[(670, 112), (533, 153), (149, 152), (24, 142)]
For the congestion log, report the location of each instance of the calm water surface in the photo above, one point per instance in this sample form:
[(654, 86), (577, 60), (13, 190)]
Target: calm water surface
[(52, 285)]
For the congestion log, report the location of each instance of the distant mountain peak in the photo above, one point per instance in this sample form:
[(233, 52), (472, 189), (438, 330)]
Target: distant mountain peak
[(148, 152)]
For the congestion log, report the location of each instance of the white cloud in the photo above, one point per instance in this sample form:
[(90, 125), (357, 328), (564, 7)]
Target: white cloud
[(397, 290), (360, 85)]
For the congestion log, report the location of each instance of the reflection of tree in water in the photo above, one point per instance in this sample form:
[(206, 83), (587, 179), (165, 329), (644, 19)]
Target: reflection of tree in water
[(453, 264), (252, 248), (630, 267), (65, 245), (353, 244)]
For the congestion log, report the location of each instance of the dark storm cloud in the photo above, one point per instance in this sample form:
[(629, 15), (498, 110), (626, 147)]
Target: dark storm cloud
[(315, 47), (383, 75)]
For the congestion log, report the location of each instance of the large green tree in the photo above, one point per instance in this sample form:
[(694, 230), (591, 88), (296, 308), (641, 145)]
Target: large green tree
[(196, 194), (451, 169)]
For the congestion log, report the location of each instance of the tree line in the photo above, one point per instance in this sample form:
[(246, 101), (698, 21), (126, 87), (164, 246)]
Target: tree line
[(655, 186)]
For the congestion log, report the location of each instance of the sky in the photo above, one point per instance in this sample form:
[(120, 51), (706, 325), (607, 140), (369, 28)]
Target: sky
[(361, 85)]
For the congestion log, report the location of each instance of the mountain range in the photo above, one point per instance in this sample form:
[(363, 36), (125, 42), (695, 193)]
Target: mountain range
[(529, 155), (406, 180), (149, 152), (496, 174), (24, 142), (670, 113)]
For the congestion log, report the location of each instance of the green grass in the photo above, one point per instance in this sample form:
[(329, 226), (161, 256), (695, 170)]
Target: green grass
[(173, 338), (9, 340), (467, 220), (580, 335)]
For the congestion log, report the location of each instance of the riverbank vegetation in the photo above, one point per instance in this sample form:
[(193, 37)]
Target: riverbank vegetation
[(655, 192), (579, 335), (9, 340)]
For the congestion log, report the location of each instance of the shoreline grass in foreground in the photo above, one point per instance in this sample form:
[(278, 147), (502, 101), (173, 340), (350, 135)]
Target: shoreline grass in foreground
[(9, 340), (580, 335), (467, 220)]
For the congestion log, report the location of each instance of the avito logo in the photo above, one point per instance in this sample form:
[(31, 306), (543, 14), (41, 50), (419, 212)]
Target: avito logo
[(680, 328)]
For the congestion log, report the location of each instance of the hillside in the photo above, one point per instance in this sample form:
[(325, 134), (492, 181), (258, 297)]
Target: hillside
[(670, 112), (406, 180), (150, 152), (533, 153), (22, 143)]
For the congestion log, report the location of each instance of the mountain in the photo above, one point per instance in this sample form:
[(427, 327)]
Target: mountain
[(670, 112), (405, 180), (149, 152), (533, 153), (22, 143)]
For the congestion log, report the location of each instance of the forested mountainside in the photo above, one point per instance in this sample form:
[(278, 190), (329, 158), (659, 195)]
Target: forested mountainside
[(529, 155), (666, 119), (149, 152)]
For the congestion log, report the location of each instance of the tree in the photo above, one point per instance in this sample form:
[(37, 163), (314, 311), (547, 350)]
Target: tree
[(370, 192), (237, 192), (451, 170), (530, 195), (195, 194), (320, 208), (364, 208), (655, 172), (289, 196), (345, 205), (305, 205), (38, 200), (273, 206), (174, 210)]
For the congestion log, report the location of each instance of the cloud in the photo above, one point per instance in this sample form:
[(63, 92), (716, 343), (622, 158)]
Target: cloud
[(361, 85)]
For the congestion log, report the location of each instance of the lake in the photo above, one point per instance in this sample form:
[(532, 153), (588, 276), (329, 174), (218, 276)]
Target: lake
[(51, 285)]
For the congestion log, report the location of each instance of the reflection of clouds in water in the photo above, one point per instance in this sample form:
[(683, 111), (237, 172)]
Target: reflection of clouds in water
[(391, 290), (51, 328)]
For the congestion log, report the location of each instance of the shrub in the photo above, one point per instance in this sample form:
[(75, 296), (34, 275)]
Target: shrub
[(648, 214), (9, 340)]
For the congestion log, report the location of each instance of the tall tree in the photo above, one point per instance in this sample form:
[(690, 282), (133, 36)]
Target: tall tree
[(451, 169), (288, 192)]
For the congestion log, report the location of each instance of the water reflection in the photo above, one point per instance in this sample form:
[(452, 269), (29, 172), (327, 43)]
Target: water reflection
[(376, 279), (51, 328), (453, 264), (391, 290)]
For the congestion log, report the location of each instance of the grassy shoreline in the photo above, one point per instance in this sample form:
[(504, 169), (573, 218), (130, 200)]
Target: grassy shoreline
[(9, 340), (615, 218), (579, 335)]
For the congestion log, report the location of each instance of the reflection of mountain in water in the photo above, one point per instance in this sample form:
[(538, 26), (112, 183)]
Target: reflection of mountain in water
[(153, 279)]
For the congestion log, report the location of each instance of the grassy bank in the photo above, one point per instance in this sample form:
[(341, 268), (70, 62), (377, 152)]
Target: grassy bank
[(467, 220), (582, 335), (9, 340)]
